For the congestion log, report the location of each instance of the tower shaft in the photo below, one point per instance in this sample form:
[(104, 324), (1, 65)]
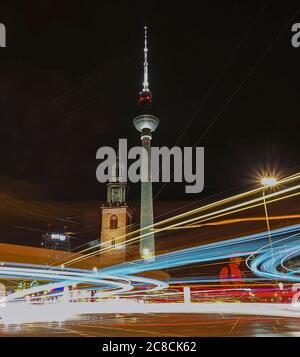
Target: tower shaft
[(147, 243)]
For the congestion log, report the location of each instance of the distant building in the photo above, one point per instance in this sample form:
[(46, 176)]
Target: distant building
[(56, 241)]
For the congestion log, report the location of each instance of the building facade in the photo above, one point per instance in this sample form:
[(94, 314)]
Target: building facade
[(116, 222)]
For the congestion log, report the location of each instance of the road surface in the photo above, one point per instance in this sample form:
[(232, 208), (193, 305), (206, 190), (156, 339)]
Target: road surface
[(160, 325)]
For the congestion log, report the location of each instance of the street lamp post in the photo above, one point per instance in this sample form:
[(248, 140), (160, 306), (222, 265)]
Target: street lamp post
[(268, 182)]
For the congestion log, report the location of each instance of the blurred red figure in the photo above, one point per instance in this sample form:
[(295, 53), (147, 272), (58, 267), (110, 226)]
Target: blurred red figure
[(232, 271)]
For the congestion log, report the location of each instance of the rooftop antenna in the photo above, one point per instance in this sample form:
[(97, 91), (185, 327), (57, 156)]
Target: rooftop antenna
[(146, 82)]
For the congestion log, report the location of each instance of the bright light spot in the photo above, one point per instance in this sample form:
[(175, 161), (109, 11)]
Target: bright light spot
[(95, 270), (269, 181), (56, 236), (147, 254), (146, 251), (62, 266)]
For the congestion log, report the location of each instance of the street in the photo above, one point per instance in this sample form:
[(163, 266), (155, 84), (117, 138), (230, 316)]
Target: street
[(160, 325)]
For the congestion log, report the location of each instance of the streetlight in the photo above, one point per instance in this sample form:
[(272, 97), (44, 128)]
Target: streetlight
[(268, 182)]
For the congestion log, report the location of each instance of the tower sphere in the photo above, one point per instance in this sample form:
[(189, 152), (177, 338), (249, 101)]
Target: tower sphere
[(145, 123)]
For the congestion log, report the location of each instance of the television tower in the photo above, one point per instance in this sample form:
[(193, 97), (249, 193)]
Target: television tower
[(146, 123)]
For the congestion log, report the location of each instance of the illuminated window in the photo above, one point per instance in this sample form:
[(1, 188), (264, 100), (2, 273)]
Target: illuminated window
[(113, 222)]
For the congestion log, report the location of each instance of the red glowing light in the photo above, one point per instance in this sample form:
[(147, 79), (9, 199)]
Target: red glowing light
[(145, 98)]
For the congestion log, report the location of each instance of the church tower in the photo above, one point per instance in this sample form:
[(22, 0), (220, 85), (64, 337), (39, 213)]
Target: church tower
[(116, 218)]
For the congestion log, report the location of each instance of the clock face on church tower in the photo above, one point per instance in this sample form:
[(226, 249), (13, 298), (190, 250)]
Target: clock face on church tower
[(116, 195)]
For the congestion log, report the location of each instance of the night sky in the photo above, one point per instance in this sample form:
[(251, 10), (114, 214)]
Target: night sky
[(72, 70)]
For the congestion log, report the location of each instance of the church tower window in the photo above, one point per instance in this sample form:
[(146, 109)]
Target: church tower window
[(113, 223)]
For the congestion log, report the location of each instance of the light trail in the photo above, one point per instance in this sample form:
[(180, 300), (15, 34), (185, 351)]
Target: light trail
[(228, 209), (120, 280), (288, 257), (209, 252), (266, 264), (238, 220), (63, 278), (243, 246), (236, 208)]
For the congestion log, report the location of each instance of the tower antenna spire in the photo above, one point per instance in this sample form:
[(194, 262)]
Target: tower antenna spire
[(146, 82)]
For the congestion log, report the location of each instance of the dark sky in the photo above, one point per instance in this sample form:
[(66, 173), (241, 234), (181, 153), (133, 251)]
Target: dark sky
[(71, 73)]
